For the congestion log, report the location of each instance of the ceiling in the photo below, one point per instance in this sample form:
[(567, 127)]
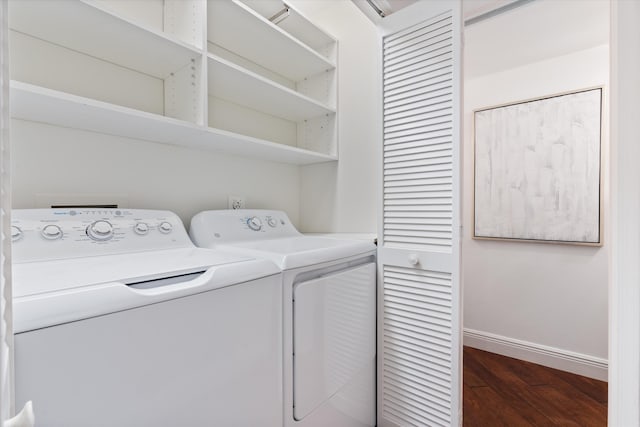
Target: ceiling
[(533, 32), (470, 8), (387, 7), (503, 34)]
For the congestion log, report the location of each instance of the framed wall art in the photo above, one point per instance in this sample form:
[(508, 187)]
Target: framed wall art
[(537, 170)]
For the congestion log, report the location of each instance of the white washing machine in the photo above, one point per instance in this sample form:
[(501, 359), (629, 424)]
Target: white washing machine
[(120, 321), (329, 312)]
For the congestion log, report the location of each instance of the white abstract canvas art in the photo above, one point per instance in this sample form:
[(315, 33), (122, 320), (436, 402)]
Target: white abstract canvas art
[(537, 169)]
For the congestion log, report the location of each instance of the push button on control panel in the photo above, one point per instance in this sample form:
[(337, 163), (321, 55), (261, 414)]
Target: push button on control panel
[(52, 232)]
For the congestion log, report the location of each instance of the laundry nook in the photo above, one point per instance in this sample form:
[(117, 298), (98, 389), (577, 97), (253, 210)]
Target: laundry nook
[(319, 213)]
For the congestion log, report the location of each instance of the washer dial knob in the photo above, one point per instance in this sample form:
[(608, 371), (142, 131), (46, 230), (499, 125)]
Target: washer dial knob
[(16, 233), (100, 230), (165, 227), (141, 228), (254, 223), (52, 232), (272, 222)]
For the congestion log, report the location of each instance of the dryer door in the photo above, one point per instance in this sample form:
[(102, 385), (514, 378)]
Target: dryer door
[(334, 344)]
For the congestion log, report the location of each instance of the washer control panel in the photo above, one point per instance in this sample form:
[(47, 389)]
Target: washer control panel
[(210, 228), (41, 234)]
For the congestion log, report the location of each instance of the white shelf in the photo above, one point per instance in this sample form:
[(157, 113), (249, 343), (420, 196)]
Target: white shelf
[(295, 24), (238, 85), (237, 28), (95, 31), (34, 103)]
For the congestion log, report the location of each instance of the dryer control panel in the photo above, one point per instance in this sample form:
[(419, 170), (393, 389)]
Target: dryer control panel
[(210, 228), (48, 234)]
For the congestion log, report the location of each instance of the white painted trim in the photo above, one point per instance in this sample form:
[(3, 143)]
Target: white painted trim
[(7, 394), (553, 357), (624, 294), (479, 11)]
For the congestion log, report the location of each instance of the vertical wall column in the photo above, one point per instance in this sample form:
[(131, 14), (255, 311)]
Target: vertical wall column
[(6, 329), (624, 306)]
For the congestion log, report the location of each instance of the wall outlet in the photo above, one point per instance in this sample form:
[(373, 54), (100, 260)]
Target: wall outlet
[(236, 202)]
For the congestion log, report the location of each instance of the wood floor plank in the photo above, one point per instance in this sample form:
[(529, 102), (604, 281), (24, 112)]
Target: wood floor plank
[(470, 378), (566, 411), (497, 410), (539, 396), (534, 374), (575, 386), (473, 412), (530, 373), (495, 363), (508, 386), (597, 390)]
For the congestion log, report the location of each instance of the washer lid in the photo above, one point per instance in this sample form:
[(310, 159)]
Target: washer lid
[(300, 251), (33, 278)]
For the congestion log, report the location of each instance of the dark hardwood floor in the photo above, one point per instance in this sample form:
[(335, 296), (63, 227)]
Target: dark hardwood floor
[(501, 391)]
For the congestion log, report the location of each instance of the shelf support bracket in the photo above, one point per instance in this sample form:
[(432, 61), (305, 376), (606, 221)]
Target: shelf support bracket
[(281, 16)]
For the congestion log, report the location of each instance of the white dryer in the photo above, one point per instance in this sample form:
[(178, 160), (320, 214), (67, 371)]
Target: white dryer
[(120, 321), (329, 312)]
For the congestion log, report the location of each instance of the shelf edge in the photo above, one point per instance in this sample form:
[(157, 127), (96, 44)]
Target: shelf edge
[(76, 112), (328, 109)]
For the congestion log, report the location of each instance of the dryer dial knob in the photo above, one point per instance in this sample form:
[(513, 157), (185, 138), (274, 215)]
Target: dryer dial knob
[(254, 223), (141, 228), (272, 222), (100, 230), (165, 227), (16, 233), (52, 232)]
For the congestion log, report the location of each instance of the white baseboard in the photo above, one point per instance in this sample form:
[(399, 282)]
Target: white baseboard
[(577, 363)]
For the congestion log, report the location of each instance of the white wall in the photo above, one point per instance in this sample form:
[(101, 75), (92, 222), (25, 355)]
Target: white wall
[(341, 197), (53, 160), (546, 303)]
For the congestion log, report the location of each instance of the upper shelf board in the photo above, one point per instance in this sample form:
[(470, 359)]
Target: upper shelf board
[(34, 103), (96, 31), (295, 24), (233, 83), (236, 27)]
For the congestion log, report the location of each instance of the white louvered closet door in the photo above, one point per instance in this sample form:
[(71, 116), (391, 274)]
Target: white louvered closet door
[(419, 369)]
